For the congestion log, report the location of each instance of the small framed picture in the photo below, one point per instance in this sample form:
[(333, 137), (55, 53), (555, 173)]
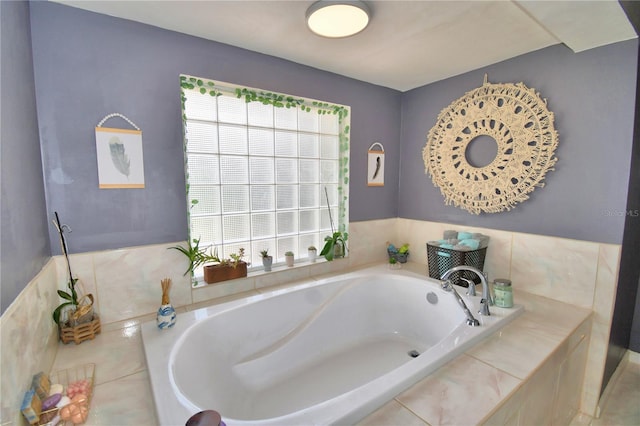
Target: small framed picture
[(375, 174), (120, 162)]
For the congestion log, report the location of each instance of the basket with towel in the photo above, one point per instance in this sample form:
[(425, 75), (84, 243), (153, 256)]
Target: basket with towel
[(455, 249)]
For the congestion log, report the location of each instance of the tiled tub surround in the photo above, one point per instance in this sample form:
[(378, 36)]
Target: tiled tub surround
[(126, 284)]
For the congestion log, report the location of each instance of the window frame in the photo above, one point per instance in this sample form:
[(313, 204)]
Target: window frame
[(338, 211)]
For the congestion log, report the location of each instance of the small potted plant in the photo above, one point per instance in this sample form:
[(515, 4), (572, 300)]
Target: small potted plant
[(288, 257), (224, 269), (335, 245), (267, 260), (399, 254), (313, 253), (194, 254), (215, 269), (393, 263)]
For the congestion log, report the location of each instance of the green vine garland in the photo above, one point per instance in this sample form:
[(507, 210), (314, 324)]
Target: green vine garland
[(277, 100)]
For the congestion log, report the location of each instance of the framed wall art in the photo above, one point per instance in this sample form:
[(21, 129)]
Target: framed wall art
[(119, 155)]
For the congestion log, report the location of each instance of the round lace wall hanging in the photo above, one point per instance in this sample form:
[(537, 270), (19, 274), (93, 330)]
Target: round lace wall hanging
[(518, 120)]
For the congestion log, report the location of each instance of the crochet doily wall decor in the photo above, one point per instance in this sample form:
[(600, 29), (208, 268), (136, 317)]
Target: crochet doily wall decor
[(518, 120)]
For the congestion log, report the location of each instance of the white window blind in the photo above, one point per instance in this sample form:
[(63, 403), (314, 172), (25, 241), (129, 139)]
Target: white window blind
[(260, 167)]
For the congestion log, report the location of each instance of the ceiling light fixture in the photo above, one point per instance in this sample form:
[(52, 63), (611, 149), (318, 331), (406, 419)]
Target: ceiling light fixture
[(337, 19)]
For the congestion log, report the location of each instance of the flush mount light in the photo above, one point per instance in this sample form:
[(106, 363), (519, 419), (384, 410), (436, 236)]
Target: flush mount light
[(336, 19)]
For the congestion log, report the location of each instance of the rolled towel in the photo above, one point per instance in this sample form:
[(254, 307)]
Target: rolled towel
[(446, 246), (464, 236), (472, 244), (449, 234), (461, 247)]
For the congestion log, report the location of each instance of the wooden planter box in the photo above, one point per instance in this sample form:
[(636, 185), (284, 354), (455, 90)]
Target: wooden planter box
[(217, 273), (81, 332)]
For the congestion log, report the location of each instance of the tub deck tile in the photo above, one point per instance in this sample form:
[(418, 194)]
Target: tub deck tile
[(462, 392)]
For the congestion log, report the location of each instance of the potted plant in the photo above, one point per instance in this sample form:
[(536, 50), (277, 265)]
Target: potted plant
[(215, 269), (399, 254), (224, 269), (267, 260), (312, 253), (194, 254), (335, 245), (393, 263), (75, 316), (288, 257)]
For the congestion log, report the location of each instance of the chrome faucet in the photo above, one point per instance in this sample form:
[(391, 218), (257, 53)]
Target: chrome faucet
[(447, 285), (486, 294), (472, 286)]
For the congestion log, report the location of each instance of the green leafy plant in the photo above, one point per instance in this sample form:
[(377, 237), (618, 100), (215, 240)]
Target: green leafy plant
[(236, 258), (338, 239), (194, 253), (288, 253), (264, 253), (200, 256), (71, 300)]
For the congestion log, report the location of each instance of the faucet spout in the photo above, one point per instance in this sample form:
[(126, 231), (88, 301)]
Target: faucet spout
[(486, 295)]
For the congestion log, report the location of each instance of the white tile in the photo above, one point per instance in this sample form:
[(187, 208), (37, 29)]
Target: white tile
[(126, 401), (128, 281), (392, 413), (222, 289), (368, 240), (116, 353), (557, 268), (462, 392), (28, 340)]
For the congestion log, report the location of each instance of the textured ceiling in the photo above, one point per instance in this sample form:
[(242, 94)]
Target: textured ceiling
[(407, 44)]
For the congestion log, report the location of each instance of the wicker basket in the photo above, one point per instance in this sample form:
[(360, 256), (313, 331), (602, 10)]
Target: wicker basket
[(81, 332), (442, 259), (67, 377)]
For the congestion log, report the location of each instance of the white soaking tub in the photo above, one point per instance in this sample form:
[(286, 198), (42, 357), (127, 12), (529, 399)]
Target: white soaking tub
[(326, 352)]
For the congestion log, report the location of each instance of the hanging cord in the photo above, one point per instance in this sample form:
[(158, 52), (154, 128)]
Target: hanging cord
[(117, 114), (63, 243)]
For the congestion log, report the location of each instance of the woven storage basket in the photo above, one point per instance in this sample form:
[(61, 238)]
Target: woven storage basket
[(81, 332), (442, 259)]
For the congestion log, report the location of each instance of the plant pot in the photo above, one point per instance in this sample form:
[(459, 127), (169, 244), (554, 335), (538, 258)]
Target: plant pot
[(79, 333), (267, 261), (313, 254), (289, 260), (400, 257), (217, 273), (166, 317)]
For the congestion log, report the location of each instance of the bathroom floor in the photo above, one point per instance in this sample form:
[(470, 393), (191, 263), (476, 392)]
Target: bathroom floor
[(622, 408)]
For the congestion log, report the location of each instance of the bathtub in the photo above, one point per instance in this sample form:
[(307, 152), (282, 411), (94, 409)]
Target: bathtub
[(329, 351)]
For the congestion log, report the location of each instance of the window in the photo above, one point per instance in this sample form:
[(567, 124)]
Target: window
[(264, 171)]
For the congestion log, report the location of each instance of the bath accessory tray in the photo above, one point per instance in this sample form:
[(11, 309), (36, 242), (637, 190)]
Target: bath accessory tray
[(81, 377)]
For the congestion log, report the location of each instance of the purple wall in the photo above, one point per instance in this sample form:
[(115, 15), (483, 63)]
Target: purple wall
[(89, 65), (593, 98), (24, 246)]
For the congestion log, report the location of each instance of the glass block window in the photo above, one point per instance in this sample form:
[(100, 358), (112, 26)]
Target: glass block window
[(263, 169)]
